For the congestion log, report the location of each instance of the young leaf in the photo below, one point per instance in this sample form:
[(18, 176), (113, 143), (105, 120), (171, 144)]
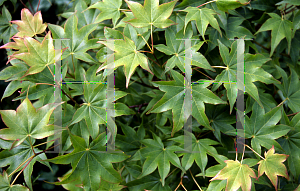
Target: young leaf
[(90, 163), (78, 42), (273, 166), (26, 121), (174, 98), (237, 175), (39, 55), (281, 29), (29, 25), (127, 55), (151, 13)]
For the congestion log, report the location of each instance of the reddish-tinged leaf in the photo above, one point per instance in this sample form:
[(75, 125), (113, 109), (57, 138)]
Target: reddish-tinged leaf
[(237, 175), (273, 166), (29, 25)]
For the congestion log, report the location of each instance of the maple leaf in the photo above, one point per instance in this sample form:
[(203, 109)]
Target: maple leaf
[(39, 55), (7, 30), (253, 72), (203, 17), (5, 184), (159, 156), (237, 175), (29, 25), (19, 45), (281, 29), (151, 13), (174, 99), (225, 5), (94, 107), (26, 121), (110, 9), (176, 49), (90, 162), (273, 166), (127, 55), (78, 43)]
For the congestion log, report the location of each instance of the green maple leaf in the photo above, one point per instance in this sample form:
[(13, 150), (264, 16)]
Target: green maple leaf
[(253, 72), (90, 163), (159, 156), (7, 30), (176, 49), (273, 166), (203, 17), (262, 128), (290, 144), (237, 175), (39, 55), (289, 90), (127, 55), (174, 98), (200, 148), (16, 156), (29, 25), (110, 9), (280, 28), (233, 28), (93, 110), (151, 13), (19, 45), (225, 5), (78, 43), (5, 184), (26, 121)]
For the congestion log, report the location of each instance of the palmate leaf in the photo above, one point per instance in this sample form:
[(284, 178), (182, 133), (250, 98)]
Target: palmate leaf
[(7, 30), (39, 55), (203, 17), (253, 72), (281, 29), (93, 109), (110, 9), (151, 13), (200, 148), (5, 184), (273, 166), (16, 156), (26, 121), (29, 25), (78, 43), (289, 90), (237, 175), (176, 48), (262, 128), (174, 99), (127, 55), (159, 156), (91, 163)]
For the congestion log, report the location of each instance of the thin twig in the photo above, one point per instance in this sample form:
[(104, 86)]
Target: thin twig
[(26, 6), (21, 171), (30, 5), (37, 9), (282, 102), (195, 180), (293, 114), (206, 3)]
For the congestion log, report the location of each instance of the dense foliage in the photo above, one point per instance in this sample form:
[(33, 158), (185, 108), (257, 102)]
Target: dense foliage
[(149, 68)]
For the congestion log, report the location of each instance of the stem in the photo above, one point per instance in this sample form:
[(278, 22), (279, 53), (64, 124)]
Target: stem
[(156, 58), (293, 114), (30, 5), (195, 180), (124, 10), (219, 67), (31, 145), (253, 151), (21, 171), (151, 39), (37, 9), (70, 98), (50, 71), (282, 102), (44, 143), (202, 73), (20, 165), (206, 3), (145, 41), (73, 63), (44, 84), (243, 155), (26, 6), (154, 62)]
